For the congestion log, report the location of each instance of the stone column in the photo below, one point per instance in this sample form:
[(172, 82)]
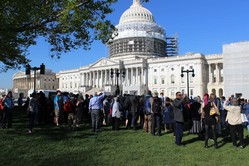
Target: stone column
[(137, 75), (217, 73), (87, 79), (142, 76), (91, 79), (105, 82), (132, 77), (210, 74), (100, 78), (97, 79), (126, 76), (84, 79), (82, 82)]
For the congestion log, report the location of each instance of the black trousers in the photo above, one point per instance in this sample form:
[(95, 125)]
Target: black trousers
[(115, 123), (237, 130), (7, 118), (207, 136)]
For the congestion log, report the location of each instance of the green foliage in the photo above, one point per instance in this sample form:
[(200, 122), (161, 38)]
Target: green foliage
[(60, 146), (64, 24)]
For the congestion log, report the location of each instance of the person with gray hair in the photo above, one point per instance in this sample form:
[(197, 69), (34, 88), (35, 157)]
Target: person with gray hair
[(116, 113), (235, 122), (95, 106)]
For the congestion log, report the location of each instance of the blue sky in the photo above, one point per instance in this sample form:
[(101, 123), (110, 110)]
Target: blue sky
[(202, 26)]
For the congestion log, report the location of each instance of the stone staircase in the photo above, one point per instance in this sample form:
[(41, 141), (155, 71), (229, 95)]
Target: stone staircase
[(91, 91)]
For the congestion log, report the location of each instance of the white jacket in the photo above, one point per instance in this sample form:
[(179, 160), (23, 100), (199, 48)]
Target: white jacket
[(233, 115), (116, 109)]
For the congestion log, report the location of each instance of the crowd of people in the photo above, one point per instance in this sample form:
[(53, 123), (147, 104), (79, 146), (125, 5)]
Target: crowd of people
[(207, 117)]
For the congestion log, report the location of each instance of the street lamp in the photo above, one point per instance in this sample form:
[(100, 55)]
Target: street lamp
[(41, 68), (116, 72), (187, 71)]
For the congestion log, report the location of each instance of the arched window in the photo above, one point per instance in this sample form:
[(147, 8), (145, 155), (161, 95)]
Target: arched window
[(220, 92), (155, 81), (172, 77), (214, 91)]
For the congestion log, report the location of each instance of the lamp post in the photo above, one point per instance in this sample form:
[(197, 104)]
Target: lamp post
[(29, 68), (187, 71), (116, 72)]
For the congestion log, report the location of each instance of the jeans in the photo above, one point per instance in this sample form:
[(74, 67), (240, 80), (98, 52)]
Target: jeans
[(156, 122), (95, 119), (178, 132)]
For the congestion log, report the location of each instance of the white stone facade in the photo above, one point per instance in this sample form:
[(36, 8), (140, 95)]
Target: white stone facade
[(236, 73), (156, 74), (139, 50), (22, 83)]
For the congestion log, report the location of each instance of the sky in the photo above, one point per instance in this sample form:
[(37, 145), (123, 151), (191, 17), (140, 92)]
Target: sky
[(202, 26)]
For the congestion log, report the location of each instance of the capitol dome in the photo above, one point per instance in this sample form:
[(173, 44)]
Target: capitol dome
[(136, 13), (138, 34)]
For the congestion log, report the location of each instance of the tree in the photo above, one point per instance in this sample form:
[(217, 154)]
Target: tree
[(65, 25)]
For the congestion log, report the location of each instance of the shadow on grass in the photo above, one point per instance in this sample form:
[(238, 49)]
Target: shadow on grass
[(53, 133)]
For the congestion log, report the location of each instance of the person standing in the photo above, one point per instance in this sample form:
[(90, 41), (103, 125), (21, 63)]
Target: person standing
[(95, 106), (134, 111), (8, 110), (223, 113), (20, 102), (168, 116), (79, 112), (209, 120), (32, 111), (195, 109), (156, 106), (235, 122), (57, 107), (106, 107), (1, 107), (116, 108), (178, 117), (71, 118), (147, 112), (246, 112)]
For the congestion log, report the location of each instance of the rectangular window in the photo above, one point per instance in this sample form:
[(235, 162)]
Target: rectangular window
[(163, 81), (191, 92), (155, 81)]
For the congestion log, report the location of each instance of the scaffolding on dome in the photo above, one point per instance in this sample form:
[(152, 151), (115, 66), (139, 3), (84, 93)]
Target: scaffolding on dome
[(172, 45), (142, 27)]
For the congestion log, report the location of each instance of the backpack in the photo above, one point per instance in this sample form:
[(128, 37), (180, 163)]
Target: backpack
[(67, 106), (147, 106), (1, 104), (156, 106)]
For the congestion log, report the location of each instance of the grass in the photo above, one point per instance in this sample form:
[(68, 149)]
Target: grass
[(59, 146)]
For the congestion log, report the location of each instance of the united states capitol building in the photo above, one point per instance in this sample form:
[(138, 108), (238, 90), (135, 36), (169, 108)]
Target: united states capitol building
[(139, 61)]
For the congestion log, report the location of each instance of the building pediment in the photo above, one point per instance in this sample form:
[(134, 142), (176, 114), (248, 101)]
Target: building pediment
[(103, 62), (19, 74)]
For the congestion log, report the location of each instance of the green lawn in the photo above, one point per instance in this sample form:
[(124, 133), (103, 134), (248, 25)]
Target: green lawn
[(60, 146)]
